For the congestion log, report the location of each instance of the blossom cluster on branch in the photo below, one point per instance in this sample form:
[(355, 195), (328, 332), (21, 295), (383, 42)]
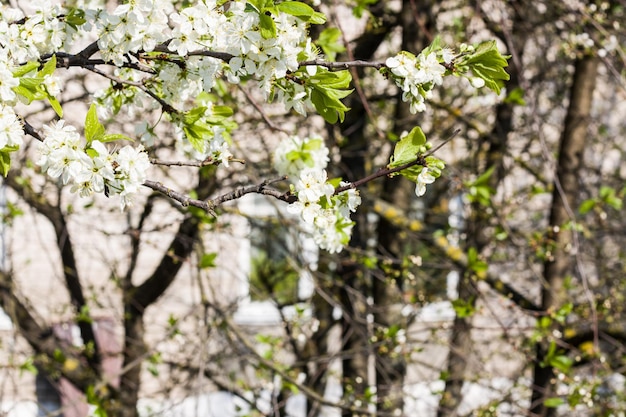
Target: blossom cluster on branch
[(171, 57), (327, 214)]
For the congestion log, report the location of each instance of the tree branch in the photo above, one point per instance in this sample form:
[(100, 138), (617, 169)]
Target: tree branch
[(42, 339), (68, 260)]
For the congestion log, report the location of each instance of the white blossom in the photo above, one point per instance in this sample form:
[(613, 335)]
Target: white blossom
[(11, 130), (424, 178)]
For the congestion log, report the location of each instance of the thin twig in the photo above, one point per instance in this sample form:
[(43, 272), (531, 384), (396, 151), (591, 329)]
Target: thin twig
[(209, 205), (258, 108), (343, 65), (167, 108), (357, 82), (30, 130), (183, 199), (384, 171), (261, 188), (198, 164)]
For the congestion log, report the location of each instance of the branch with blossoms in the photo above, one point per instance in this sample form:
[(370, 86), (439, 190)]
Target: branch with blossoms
[(173, 58)]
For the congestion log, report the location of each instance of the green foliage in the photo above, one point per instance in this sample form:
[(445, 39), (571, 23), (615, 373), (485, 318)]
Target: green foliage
[(479, 191), (28, 366), (486, 62), (84, 316), (75, 17), (34, 88), (607, 196), (207, 260), (197, 123), (362, 6), (153, 361), (408, 148), (94, 130), (302, 11), (267, 8), (94, 399), (464, 308), (327, 90), (516, 96), (330, 40), (5, 159), (556, 359), (475, 264), (273, 279), (553, 402)]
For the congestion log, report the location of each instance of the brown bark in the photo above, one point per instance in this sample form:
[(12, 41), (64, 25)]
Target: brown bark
[(417, 23), (461, 343), (137, 298), (73, 284), (559, 264)]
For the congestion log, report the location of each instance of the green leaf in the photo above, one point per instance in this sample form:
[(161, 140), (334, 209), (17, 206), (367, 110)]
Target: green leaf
[(586, 206), (296, 8), (516, 96), (222, 111), (408, 148), (267, 25), (31, 88), (474, 263), (361, 6), (75, 17), (29, 366), (196, 134), (93, 128), (56, 106), (487, 63), (250, 7), (49, 67), (484, 178), (553, 402), (330, 42), (112, 137), (25, 69), (207, 260), (464, 308), (562, 363), (318, 18), (5, 162)]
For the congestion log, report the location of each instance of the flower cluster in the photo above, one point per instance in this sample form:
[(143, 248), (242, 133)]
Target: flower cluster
[(26, 38), (417, 76), (11, 130), (267, 59), (293, 155), (91, 169), (137, 25), (326, 213)]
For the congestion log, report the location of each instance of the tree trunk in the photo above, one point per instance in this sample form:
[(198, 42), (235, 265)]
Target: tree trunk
[(461, 344), (558, 266)]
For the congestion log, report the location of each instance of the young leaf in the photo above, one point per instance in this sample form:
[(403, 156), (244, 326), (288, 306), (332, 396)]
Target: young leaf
[(25, 69), (487, 63), (330, 42), (112, 137), (93, 128), (5, 163), (296, 8), (56, 106), (553, 402), (49, 67), (207, 260), (408, 147), (268, 26)]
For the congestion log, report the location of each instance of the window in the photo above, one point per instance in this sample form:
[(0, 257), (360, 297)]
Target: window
[(276, 258)]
